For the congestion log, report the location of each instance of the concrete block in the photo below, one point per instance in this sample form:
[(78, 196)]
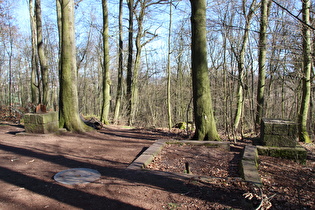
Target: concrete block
[(299, 154), (141, 162), (250, 172), (41, 123), (278, 133), (250, 153)]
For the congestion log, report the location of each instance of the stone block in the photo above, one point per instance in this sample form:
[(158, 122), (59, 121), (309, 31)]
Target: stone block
[(298, 154), (278, 133), (141, 162), (250, 172), (41, 123), (250, 153)]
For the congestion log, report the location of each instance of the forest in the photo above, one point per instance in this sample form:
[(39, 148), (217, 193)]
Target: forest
[(134, 61)]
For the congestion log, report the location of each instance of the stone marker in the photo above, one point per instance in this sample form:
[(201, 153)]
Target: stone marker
[(278, 133), (41, 123)]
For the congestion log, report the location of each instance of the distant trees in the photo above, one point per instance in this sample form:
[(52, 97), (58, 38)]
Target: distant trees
[(254, 62)]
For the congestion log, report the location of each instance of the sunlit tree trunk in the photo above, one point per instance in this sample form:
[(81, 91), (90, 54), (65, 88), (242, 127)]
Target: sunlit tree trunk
[(106, 72), (265, 8), (41, 52), (34, 61), (241, 64), (169, 107), (203, 111), (69, 111), (306, 80), (120, 63)]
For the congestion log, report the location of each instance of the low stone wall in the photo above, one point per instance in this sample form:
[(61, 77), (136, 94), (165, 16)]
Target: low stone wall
[(41, 123)]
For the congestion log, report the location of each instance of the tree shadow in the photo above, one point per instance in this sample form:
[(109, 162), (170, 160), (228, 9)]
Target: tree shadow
[(161, 180), (60, 193), (234, 164)]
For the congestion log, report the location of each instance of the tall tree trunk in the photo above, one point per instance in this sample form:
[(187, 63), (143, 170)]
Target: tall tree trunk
[(34, 53), (106, 72), (120, 64), (69, 109), (169, 107), (41, 52), (265, 9), (203, 111), (307, 65), (130, 59), (241, 65)]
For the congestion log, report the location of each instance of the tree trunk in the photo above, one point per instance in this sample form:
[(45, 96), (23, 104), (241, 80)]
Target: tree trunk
[(265, 8), (169, 107), (307, 65), (120, 64), (34, 53), (69, 110), (262, 60), (203, 111), (106, 73), (130, 59), (41, 52), (241, 66)]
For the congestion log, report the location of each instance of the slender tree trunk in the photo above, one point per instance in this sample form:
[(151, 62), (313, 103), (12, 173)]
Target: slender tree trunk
[(307, 65), (130, 59), (41, 52), (69, 109), (241, 66), (203, 111), (265, 8), (169, 107), (120, 64), (106, 72)]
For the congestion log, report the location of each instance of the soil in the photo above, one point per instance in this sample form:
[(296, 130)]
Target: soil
[(28, 164)]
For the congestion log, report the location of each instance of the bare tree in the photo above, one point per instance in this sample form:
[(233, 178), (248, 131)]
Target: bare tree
[(307, 65), (41, 52), (120, 63), (265, 9), (106, 71)]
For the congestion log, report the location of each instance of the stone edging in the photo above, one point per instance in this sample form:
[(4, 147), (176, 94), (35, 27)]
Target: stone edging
[(249, 165), (249, 161)]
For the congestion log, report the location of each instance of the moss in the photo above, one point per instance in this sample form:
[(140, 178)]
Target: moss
[(297, 154)]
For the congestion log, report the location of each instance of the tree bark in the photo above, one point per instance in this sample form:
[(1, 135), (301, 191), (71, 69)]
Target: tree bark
[(265, 8), (106, 72), (241, 65), (306, 80), (34, 53), (169, 107), (41, 52), (69, 109), (120, 64), (203, 111), (130, 60)]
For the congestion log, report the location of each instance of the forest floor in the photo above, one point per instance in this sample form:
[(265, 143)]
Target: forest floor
[(28, 164)]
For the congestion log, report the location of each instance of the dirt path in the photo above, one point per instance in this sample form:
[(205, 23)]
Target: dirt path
[(28, 164)]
